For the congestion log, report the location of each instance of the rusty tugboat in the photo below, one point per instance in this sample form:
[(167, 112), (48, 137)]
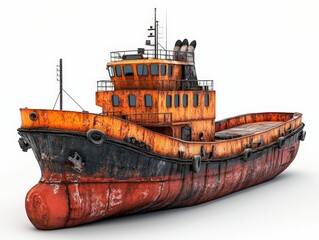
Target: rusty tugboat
[(155, 145)]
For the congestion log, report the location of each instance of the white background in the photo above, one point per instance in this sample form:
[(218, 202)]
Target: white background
[(263, 56)]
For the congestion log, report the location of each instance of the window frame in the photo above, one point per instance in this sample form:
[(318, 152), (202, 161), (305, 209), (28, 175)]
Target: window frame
[(131, 98), (170, 101), (144, 66), (185, 100), (111, 71), (128, 74), (177, 100), (118, 69), (170, 70), (117, 99), (151, 69), (206, 99), (195, 102), (163, 69), (145, 100)]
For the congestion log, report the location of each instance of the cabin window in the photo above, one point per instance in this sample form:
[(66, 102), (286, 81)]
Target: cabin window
[(131, 100), (128, 70), (168, 101), (142, 70), (163, 70), (154, 69), (185, 100), (195, 100), (115, 101), (170, 70), (206, 100), (118, 71), (111, 71), (148, 100), (176, 100)]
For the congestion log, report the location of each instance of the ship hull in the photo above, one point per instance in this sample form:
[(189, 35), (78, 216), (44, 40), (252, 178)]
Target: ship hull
[(83, 181)]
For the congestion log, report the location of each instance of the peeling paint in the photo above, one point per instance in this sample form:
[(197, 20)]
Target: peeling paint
[(76, 194), (142, 182), (55, 188), (115, 197), (98, 208), (145, 193)]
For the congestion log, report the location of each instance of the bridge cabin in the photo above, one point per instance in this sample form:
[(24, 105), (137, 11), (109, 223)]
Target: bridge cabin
[(160, 91)]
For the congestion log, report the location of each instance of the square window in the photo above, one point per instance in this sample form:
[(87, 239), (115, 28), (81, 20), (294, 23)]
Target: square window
[(128, 70), (154, 69), (142, 70)]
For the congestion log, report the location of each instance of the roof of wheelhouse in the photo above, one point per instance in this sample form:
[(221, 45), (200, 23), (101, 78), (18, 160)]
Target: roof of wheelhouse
[(182, 53)]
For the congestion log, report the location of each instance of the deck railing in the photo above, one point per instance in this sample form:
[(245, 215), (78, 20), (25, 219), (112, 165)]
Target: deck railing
[(161, 85), (142, 53), (145, 118), (116, 113)]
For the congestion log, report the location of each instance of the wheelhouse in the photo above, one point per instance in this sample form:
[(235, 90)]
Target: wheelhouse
[(160, 91)]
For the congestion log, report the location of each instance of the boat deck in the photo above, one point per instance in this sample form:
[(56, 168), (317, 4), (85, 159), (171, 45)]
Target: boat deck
[(245, 129)]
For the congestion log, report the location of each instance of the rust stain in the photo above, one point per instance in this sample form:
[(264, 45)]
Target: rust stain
[(156, 145), (166, 145)]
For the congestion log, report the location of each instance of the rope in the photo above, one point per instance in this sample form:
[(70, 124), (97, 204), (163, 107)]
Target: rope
[(73, 99), (56, 100), (69, 97)]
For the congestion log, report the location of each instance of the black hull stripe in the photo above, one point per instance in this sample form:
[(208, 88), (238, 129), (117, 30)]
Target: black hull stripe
[(155, 155)]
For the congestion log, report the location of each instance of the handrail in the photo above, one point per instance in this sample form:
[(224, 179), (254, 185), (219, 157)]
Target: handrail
[(111, 114), (162, 85), (152, 54), (145, 118)]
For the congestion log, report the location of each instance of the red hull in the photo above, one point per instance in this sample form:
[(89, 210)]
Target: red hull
[(65, 204)]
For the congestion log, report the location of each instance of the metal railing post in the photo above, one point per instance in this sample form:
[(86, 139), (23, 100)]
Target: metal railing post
[(171, 85)]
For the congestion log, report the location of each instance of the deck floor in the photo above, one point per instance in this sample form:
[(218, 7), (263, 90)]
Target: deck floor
[(244, 130)]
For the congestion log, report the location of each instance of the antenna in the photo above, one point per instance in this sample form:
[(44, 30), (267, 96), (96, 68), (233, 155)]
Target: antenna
[(61, 85), (166, 29), (59, 75), (156, 32), (155, 36)]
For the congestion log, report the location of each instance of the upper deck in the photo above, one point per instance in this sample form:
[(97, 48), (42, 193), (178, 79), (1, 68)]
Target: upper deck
[(141, 53), (152, 67)]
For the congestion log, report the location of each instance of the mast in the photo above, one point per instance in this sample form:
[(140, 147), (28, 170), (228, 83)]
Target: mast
[(61, 84), (59, 74), (156, 33), (155, 36), (166, 29)]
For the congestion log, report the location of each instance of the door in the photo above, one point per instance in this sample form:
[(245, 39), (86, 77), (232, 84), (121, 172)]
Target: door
[(187, 133)]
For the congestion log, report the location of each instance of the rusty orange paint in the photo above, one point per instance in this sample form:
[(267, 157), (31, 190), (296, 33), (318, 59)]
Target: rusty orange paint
[(201, 119), (150, 81), (133, 157), (119, 128)]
